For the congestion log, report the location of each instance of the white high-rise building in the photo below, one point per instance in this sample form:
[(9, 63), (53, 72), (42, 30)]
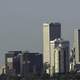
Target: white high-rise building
[(50, 32), (59, 50), (46, 52), (55, 50), (76, 45)]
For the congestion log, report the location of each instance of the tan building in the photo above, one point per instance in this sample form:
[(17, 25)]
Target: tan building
[(59, 60), (46, 54), (76, 45), (55, 50), (50, 32), (2, 69)]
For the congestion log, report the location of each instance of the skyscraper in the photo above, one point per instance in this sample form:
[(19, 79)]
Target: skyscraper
[(76, 45), (59, 60), (50, 32), (54, 31)]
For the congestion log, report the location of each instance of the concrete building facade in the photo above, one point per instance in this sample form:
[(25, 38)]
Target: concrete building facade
[(50, 32), (76, 44), (12, 62), (59, 56), (55, 50)]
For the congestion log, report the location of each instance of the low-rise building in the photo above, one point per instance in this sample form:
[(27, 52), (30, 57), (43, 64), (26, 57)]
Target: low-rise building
[(23, 63)]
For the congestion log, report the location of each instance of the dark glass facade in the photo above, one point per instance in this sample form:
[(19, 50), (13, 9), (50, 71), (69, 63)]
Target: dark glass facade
[(33, 63), (59, 61), (55, 30), (66, 59), (24, 63)]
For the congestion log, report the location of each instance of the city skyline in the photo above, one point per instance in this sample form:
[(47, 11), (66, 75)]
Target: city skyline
[(21, 25)]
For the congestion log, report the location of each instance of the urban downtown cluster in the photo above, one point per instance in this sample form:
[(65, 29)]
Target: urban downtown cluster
[(56, 58)]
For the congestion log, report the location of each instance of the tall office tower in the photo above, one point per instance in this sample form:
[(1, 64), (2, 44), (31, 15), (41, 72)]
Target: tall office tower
[(54, 31), (59, 60), (76, 45), (50, 32)]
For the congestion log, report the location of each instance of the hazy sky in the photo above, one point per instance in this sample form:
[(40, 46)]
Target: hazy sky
[(21, 22)]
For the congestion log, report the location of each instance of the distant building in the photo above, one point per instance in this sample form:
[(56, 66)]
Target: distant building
[(11, 62), (55, 50), (72, 60), (76, 45), (54, 31), (31, 63), (50, 32), (2, 69), (59, 56), (23, 63)]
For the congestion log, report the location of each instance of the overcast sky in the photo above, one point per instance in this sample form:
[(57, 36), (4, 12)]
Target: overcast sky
[(21, 22)]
